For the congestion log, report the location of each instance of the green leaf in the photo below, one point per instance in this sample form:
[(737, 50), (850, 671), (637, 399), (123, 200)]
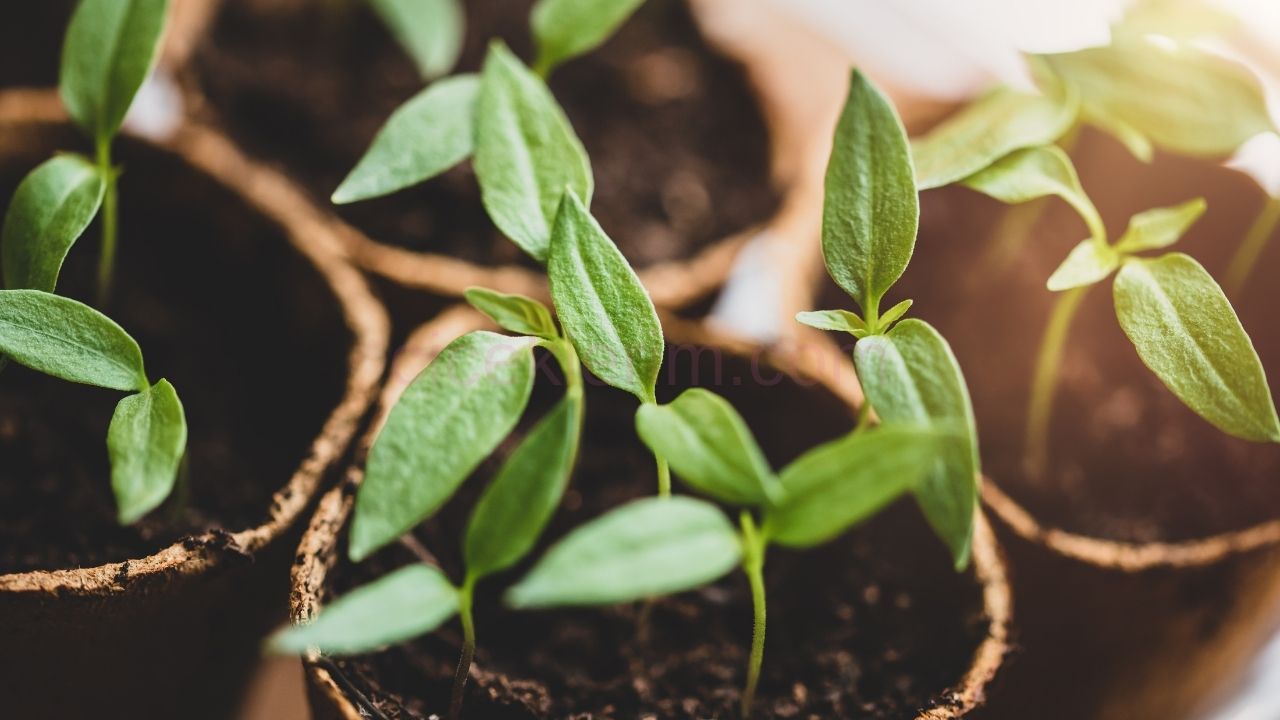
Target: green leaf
[(447, 421), (516, 313), (1183, 98), (50, 210), (1035, 173), (427, 135), (995, 125), (1161, 227), (431, 31), (1186, 331), (839, 484), (646, 548), (527, 154), (895, 313), (146, 442), (565, 29), (871, 211), (68, 340), (602, 306), (521, 499), (108, 51), (1088, 263), (404, 604), (911, 377), (709, 446), (837, 320)]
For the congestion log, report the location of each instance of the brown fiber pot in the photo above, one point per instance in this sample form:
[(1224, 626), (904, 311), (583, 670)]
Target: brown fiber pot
[(332, 693), (175, 633)]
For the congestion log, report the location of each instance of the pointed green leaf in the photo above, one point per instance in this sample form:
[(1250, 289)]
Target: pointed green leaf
[(404, 604), (1035, 173), (50, 210), (516, 313), (447, 421), (424, 137), (911, 377), (69, 340), (1186, 331), (108, 51), (526, 152), (1088, 263), (837, 320), (839, 484), (602, 305), (1161, 227), (990, 128), (1134, 141), (709, 446), (871, 211), (644, 549), (895, 313), (431, 31), (146, 442), (526, 491), (565, 29)]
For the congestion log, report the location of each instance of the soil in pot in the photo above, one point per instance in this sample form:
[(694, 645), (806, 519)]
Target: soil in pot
[(245, 328), (874, 625), (680, 150)]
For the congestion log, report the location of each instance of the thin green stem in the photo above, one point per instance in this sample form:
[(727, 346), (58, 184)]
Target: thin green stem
[(754, 544), (1046, 380), (664, 476), (864, 416), (110, 222), (1255, 241), (542, 65), (465, 594)]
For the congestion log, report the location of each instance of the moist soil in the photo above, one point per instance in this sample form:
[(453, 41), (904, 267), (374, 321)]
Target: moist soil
[(222, 306), (1128, 460), (873, 625), (679, 148)]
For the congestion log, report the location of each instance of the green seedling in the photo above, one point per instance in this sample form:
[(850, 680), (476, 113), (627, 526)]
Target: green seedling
[(430, 31)]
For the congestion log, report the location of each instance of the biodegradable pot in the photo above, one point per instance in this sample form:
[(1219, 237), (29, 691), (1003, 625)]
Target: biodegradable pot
[(929, 640), (276, 346)]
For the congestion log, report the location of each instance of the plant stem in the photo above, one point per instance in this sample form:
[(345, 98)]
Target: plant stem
[(664, 476), (1255, 241), (754, 544), (1046, 379), (864, 416), (468, 647), (107, 253)]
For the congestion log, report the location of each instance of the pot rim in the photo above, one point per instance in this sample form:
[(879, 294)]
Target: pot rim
[(317, 554), (311, 235)]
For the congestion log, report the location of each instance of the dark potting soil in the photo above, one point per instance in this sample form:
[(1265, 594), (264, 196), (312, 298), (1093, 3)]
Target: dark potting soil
[(873, 625), (245, 329), (679, 147), (1128, 461), (31, 42)]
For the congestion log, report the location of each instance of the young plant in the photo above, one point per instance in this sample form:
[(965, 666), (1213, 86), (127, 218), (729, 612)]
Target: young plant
[(430, 31)]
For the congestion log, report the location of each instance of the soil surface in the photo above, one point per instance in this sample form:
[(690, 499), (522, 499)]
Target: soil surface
[(1128, 460), (245, 329), (31, 42), (873, 625), (680, 151)]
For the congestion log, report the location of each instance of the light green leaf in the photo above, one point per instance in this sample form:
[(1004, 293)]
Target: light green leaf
[(427, 135), (836, 320), (1186, 331), (516, 313), (990, 128), (1134, 141), (448, 420), (404, 604), (871, 211), (146, 442), (50, 210), (1035, 173), (522, 497), (1161, 227), (526, 153), (644, 549), (911, 377), (709, 446), (1183, 98), (68, 340), (895, 313), (1088, 263), (565, 29), (431, 31), (602, 306), (841, 483), (108, 51)]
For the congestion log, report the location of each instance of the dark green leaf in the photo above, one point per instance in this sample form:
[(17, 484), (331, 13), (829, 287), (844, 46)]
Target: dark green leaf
[(68, 340), (516, 313), (146, 442), (1088, 263), (448, 420), (50, 209), (1161, 227), (837, 320), (431, 31), (565, 29)]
